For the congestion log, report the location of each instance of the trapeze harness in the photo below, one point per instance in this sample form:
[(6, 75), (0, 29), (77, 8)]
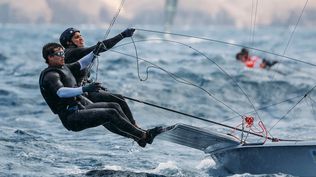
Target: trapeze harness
[(61, 106)]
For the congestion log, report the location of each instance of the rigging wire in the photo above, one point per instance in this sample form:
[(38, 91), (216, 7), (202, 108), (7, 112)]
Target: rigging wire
[(312, 102), (309, 102), (189, 83), (176, 78), (287, 45), (226, 43), (105, 37), (178, 112), (253, 26), (261, 108), (294, 30), (203, 119), (152, 63), (266, 107), (209, 121), (251, 17), (172, 41), (305, 95), (184, 81), (292, 33), (114, 19)]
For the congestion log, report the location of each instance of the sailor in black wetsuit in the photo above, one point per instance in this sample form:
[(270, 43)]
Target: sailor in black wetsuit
[(73, 42), (65, 98)]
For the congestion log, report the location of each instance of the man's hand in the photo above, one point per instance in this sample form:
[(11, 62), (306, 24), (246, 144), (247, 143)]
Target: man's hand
[(98, 48), (128, 32), (93, 87), (104, 88)]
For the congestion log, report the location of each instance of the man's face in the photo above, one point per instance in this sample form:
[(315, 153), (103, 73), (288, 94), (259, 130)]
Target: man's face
[(77, 39), (57, 58)]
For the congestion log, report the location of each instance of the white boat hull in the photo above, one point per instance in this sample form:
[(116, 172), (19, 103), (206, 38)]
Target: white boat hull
[(296, 158)]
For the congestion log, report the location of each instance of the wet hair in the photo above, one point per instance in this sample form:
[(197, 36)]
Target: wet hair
[(49, 49), (238, 55)]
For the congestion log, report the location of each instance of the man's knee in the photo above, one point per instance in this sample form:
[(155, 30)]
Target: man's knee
[(114, 105), (113, 113)]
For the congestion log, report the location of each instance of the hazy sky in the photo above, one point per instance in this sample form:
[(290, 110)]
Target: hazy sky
[(216, 12)]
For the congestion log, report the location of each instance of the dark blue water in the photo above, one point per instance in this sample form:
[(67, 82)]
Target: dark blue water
[(33, 141)]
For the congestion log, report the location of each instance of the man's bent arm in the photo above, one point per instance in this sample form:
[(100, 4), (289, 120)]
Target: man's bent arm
[(86, 60), (68, 92)]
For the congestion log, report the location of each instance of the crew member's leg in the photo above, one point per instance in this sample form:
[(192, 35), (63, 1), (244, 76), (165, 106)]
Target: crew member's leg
[(269, 63), (150, 133), (92, 117), (110, 126), (103, 96)]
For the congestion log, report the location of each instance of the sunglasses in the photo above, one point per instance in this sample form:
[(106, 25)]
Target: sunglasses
[(58, 54)]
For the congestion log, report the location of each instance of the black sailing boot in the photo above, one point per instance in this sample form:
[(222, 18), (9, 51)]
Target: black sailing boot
[(152, 133)]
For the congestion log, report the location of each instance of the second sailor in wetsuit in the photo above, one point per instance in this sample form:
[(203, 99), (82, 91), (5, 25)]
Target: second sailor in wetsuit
[(73, 42)]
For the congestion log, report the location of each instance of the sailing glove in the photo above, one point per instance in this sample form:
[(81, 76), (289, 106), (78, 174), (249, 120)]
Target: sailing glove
[(97, 48), (128, 32), (103, 88), (92, 87)]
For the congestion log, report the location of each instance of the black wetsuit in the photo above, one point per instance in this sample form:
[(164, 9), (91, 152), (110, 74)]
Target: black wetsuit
[(269, 63), (73, 54), (78, 113)]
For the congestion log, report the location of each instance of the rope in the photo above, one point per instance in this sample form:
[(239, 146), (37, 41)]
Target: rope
[(205, 120), (180, 80), (251, 17), (305, 95), (254, 24), (114, 19), (187, 82), (201, 53), (292, 34), (227, 43), (105, 37)]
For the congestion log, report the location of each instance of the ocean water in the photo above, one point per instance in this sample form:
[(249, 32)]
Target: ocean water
[(34, 143)]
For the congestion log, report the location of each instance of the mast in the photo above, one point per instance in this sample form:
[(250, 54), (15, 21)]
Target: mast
[(170, 11)]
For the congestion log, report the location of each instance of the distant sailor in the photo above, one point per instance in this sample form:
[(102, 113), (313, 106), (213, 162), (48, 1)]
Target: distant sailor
[(254, 61), (76, 112), (74, 44)]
